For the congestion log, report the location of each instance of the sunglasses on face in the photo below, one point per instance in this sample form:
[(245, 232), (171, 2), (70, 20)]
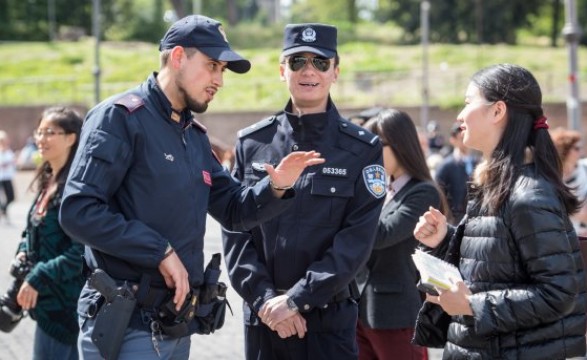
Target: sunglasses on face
[(297, 62)]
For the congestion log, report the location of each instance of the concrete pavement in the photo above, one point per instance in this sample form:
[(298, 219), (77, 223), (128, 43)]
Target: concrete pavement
[(226, 344)]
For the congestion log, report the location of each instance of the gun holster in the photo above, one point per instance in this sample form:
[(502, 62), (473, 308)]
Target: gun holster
[(114, 315)]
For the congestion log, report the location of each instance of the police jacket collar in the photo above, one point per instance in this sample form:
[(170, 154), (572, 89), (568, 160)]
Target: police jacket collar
[(310, 127), (164, 105)]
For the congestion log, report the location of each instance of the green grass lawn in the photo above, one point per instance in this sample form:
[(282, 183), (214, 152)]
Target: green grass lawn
[(371, 74)]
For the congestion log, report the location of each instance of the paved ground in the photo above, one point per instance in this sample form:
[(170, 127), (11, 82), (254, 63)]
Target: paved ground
[(226, 344)]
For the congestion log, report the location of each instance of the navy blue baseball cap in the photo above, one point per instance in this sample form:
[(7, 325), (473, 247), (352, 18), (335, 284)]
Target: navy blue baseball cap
[(207, 35), (319, 39)]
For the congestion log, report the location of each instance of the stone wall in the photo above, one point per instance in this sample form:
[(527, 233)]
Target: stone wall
[(225, 125), (20, 121)]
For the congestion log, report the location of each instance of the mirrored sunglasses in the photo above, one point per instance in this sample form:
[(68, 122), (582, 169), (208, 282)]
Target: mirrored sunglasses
[(297, 62)]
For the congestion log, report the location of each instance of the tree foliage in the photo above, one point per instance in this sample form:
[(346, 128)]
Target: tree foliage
[(451, 21), (460, 21), (323, 11), (120, 19)]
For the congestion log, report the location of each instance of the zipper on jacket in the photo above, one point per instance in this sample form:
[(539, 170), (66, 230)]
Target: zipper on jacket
[(302, 130)]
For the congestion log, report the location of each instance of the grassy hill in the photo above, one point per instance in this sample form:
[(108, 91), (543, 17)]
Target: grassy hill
[(371, 74)]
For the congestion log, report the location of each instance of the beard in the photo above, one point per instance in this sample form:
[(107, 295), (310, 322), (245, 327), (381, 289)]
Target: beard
[(191, 103), (194, 105)]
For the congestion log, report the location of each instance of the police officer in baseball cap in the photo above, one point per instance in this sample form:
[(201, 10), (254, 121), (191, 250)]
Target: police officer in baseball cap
[(296, 272), (208, 36), (146, 170)]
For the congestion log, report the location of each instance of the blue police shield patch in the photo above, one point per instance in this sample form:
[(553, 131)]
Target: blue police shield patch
[(374, 177)]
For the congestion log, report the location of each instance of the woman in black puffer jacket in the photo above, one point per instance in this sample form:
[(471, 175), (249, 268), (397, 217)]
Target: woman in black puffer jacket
[(523, 295)]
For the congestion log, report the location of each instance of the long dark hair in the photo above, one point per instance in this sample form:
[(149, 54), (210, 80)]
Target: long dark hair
[(519, 90), (71, 122), (396, 129)]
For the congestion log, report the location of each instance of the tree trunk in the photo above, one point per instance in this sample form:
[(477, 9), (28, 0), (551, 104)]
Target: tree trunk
[(352, 9), (231, 12), (556, 30)]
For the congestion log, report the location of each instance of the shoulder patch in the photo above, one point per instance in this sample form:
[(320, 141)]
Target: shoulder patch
[(131, 102), (257, 126), (357, 132), (199, 126), (374, 178)]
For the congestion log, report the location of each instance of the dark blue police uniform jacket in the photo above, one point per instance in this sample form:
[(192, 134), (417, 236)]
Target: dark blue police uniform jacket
[(314, 249), (140, 180)]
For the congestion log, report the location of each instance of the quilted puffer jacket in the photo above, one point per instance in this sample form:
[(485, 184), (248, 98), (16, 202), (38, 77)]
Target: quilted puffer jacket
[(525, 271)]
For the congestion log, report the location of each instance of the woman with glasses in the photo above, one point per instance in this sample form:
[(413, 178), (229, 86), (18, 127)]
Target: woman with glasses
[(51, 289), (296, 272), (523, 294), (390, 300)]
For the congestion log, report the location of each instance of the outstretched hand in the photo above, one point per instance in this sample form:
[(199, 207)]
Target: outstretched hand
[(291, 167)]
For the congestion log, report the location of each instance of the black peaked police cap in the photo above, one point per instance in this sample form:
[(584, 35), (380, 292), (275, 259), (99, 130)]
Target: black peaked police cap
[(207, 35), (319, 39)]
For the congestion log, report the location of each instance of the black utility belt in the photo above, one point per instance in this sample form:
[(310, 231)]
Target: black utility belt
[(153, 297), (202, 312)]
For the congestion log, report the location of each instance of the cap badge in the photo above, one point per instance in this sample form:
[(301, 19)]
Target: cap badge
[(308, 35), (221, 31)]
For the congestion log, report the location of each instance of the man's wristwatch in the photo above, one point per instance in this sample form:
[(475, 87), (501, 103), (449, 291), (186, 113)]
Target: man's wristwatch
[(291, 305)]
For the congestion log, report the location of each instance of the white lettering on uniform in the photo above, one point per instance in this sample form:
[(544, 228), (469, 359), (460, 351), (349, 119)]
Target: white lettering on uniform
[(334, 171)]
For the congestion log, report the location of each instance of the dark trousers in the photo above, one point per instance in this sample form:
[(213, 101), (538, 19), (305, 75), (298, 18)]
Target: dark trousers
[(331, 335), (8, 191), (381, 344)]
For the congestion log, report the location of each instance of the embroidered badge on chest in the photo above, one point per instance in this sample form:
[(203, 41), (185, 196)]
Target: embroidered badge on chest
[(374, 177)]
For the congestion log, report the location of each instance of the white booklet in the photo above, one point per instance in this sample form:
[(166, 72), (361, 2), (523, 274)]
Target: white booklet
[(434, 272)]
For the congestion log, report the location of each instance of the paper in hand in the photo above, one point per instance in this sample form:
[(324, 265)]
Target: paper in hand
[(435, 273)]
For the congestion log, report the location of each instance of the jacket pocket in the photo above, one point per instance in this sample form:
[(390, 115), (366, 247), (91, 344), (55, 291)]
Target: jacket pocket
[(336, 188), (329, 197), (103, 150)]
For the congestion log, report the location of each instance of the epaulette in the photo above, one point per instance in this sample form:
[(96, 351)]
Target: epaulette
[(257, 126), (358, 132), (200, 126), (216, 156), (131, 102)]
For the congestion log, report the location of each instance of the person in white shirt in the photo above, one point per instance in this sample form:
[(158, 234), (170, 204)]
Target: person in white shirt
[(7, 172)]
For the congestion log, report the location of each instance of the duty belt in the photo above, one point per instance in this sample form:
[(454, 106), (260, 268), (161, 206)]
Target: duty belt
[(147, 296)]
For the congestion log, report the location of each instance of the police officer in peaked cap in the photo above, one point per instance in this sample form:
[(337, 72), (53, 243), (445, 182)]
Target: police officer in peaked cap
[(296, 272)]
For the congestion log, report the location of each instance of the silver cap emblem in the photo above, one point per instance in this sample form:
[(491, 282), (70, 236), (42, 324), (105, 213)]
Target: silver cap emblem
[(308, 35)]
